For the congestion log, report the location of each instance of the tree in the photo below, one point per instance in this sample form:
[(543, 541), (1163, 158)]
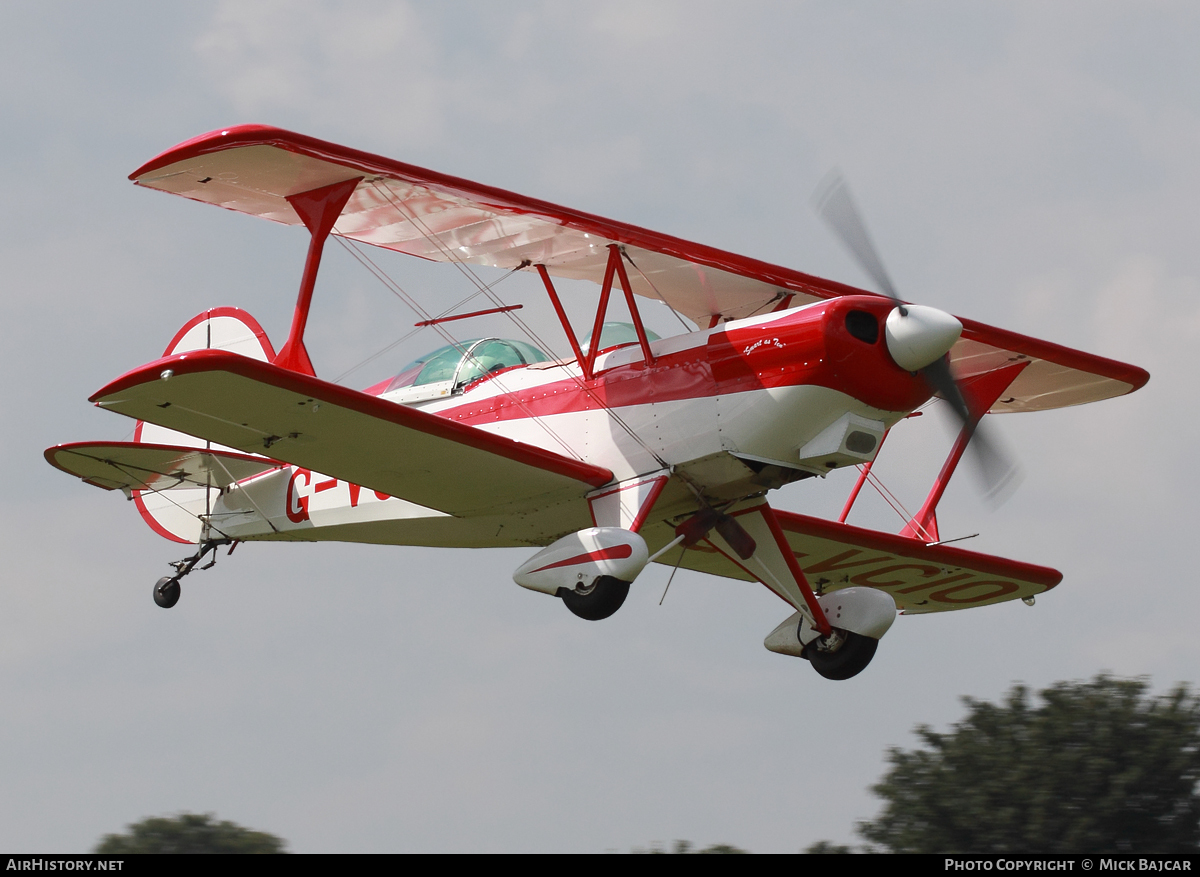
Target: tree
[(189, 833), (1098, 766), (826, 848), (686, 846)]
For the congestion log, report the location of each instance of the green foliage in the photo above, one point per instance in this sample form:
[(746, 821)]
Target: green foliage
[(826, 847), (686, 846), (189, 833), (722, 849), (1098, 766)]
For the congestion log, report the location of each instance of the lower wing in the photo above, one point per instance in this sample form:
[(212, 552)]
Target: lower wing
[(259, 408), (919, 577)]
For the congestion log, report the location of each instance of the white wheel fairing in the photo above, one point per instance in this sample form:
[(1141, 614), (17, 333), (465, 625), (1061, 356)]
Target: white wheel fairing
[(580, 558), (864, 611)]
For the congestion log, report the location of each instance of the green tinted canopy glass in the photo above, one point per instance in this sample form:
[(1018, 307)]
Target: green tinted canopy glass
[(616, 335), (466, 361)]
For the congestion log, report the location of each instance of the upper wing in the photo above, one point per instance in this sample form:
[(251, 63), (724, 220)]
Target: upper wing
[(919, 577), (252, 168), (256, 407), (138, 466)]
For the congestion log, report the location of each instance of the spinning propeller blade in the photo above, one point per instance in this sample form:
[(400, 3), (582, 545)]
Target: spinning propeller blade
[(996, 469), (836, 207), (918, 337)]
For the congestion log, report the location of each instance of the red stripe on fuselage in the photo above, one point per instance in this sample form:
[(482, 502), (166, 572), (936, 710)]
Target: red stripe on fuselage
[(808, 347)]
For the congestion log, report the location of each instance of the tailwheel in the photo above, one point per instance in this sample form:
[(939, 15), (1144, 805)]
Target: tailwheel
[(166, 592), (599, 600), (842, 654)]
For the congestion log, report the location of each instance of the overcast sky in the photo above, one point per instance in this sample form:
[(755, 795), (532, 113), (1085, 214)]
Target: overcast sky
[(1029, 165)]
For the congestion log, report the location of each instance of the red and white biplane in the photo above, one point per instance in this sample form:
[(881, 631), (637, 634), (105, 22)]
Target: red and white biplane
[(604, 460)]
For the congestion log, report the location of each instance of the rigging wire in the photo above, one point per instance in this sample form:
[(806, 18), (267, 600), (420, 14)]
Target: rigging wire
[(245, 493), (450, 339), (896, 505), (650, 283), (889, 497), (453, 256), (455, 259), (404, 297), (163, 493), (205, 519)]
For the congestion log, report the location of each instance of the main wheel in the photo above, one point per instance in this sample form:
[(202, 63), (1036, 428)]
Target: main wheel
[(600, 600), (847, 660), (166, 592)]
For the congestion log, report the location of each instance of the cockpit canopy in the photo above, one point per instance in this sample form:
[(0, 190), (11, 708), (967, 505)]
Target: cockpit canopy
[(616, 335), (448, 369)]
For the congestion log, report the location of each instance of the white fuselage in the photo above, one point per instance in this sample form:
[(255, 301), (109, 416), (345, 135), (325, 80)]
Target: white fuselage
[(713, 433)]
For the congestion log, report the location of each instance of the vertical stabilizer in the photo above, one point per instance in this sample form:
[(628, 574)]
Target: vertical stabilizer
[(179, 514)]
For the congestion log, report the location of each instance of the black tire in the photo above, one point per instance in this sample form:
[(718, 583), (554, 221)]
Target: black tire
[(600, 601), (849, 660), (166, 592)]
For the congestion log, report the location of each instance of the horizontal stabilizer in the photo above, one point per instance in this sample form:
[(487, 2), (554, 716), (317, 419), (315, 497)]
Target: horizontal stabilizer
[(257, 407), (135, 466)]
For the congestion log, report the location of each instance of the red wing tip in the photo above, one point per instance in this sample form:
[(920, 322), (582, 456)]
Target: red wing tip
[(1080, 360), (132, 377), (220, 138)]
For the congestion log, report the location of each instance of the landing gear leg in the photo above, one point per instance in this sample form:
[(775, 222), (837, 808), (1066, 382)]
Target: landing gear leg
[(167, 590)]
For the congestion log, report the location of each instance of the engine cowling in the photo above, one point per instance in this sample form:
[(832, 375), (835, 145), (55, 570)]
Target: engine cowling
[(580, 558)]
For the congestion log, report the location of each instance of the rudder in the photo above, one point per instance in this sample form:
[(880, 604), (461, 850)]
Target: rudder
[(176, 515)]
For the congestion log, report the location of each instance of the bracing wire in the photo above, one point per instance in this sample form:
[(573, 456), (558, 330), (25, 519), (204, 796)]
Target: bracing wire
[(450, 339), (486, 290), (661, 297), (453, 257), (894, 502), (397, 291)]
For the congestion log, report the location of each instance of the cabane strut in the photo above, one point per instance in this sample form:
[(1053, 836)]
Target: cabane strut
[(319, 209)]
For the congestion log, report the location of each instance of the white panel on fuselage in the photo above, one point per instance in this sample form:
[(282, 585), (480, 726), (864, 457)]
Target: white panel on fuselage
[(768, 423), (298, 500), (774, 423)]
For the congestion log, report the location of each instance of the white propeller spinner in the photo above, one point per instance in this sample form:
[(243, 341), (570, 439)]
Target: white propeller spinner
[(918, 335)]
